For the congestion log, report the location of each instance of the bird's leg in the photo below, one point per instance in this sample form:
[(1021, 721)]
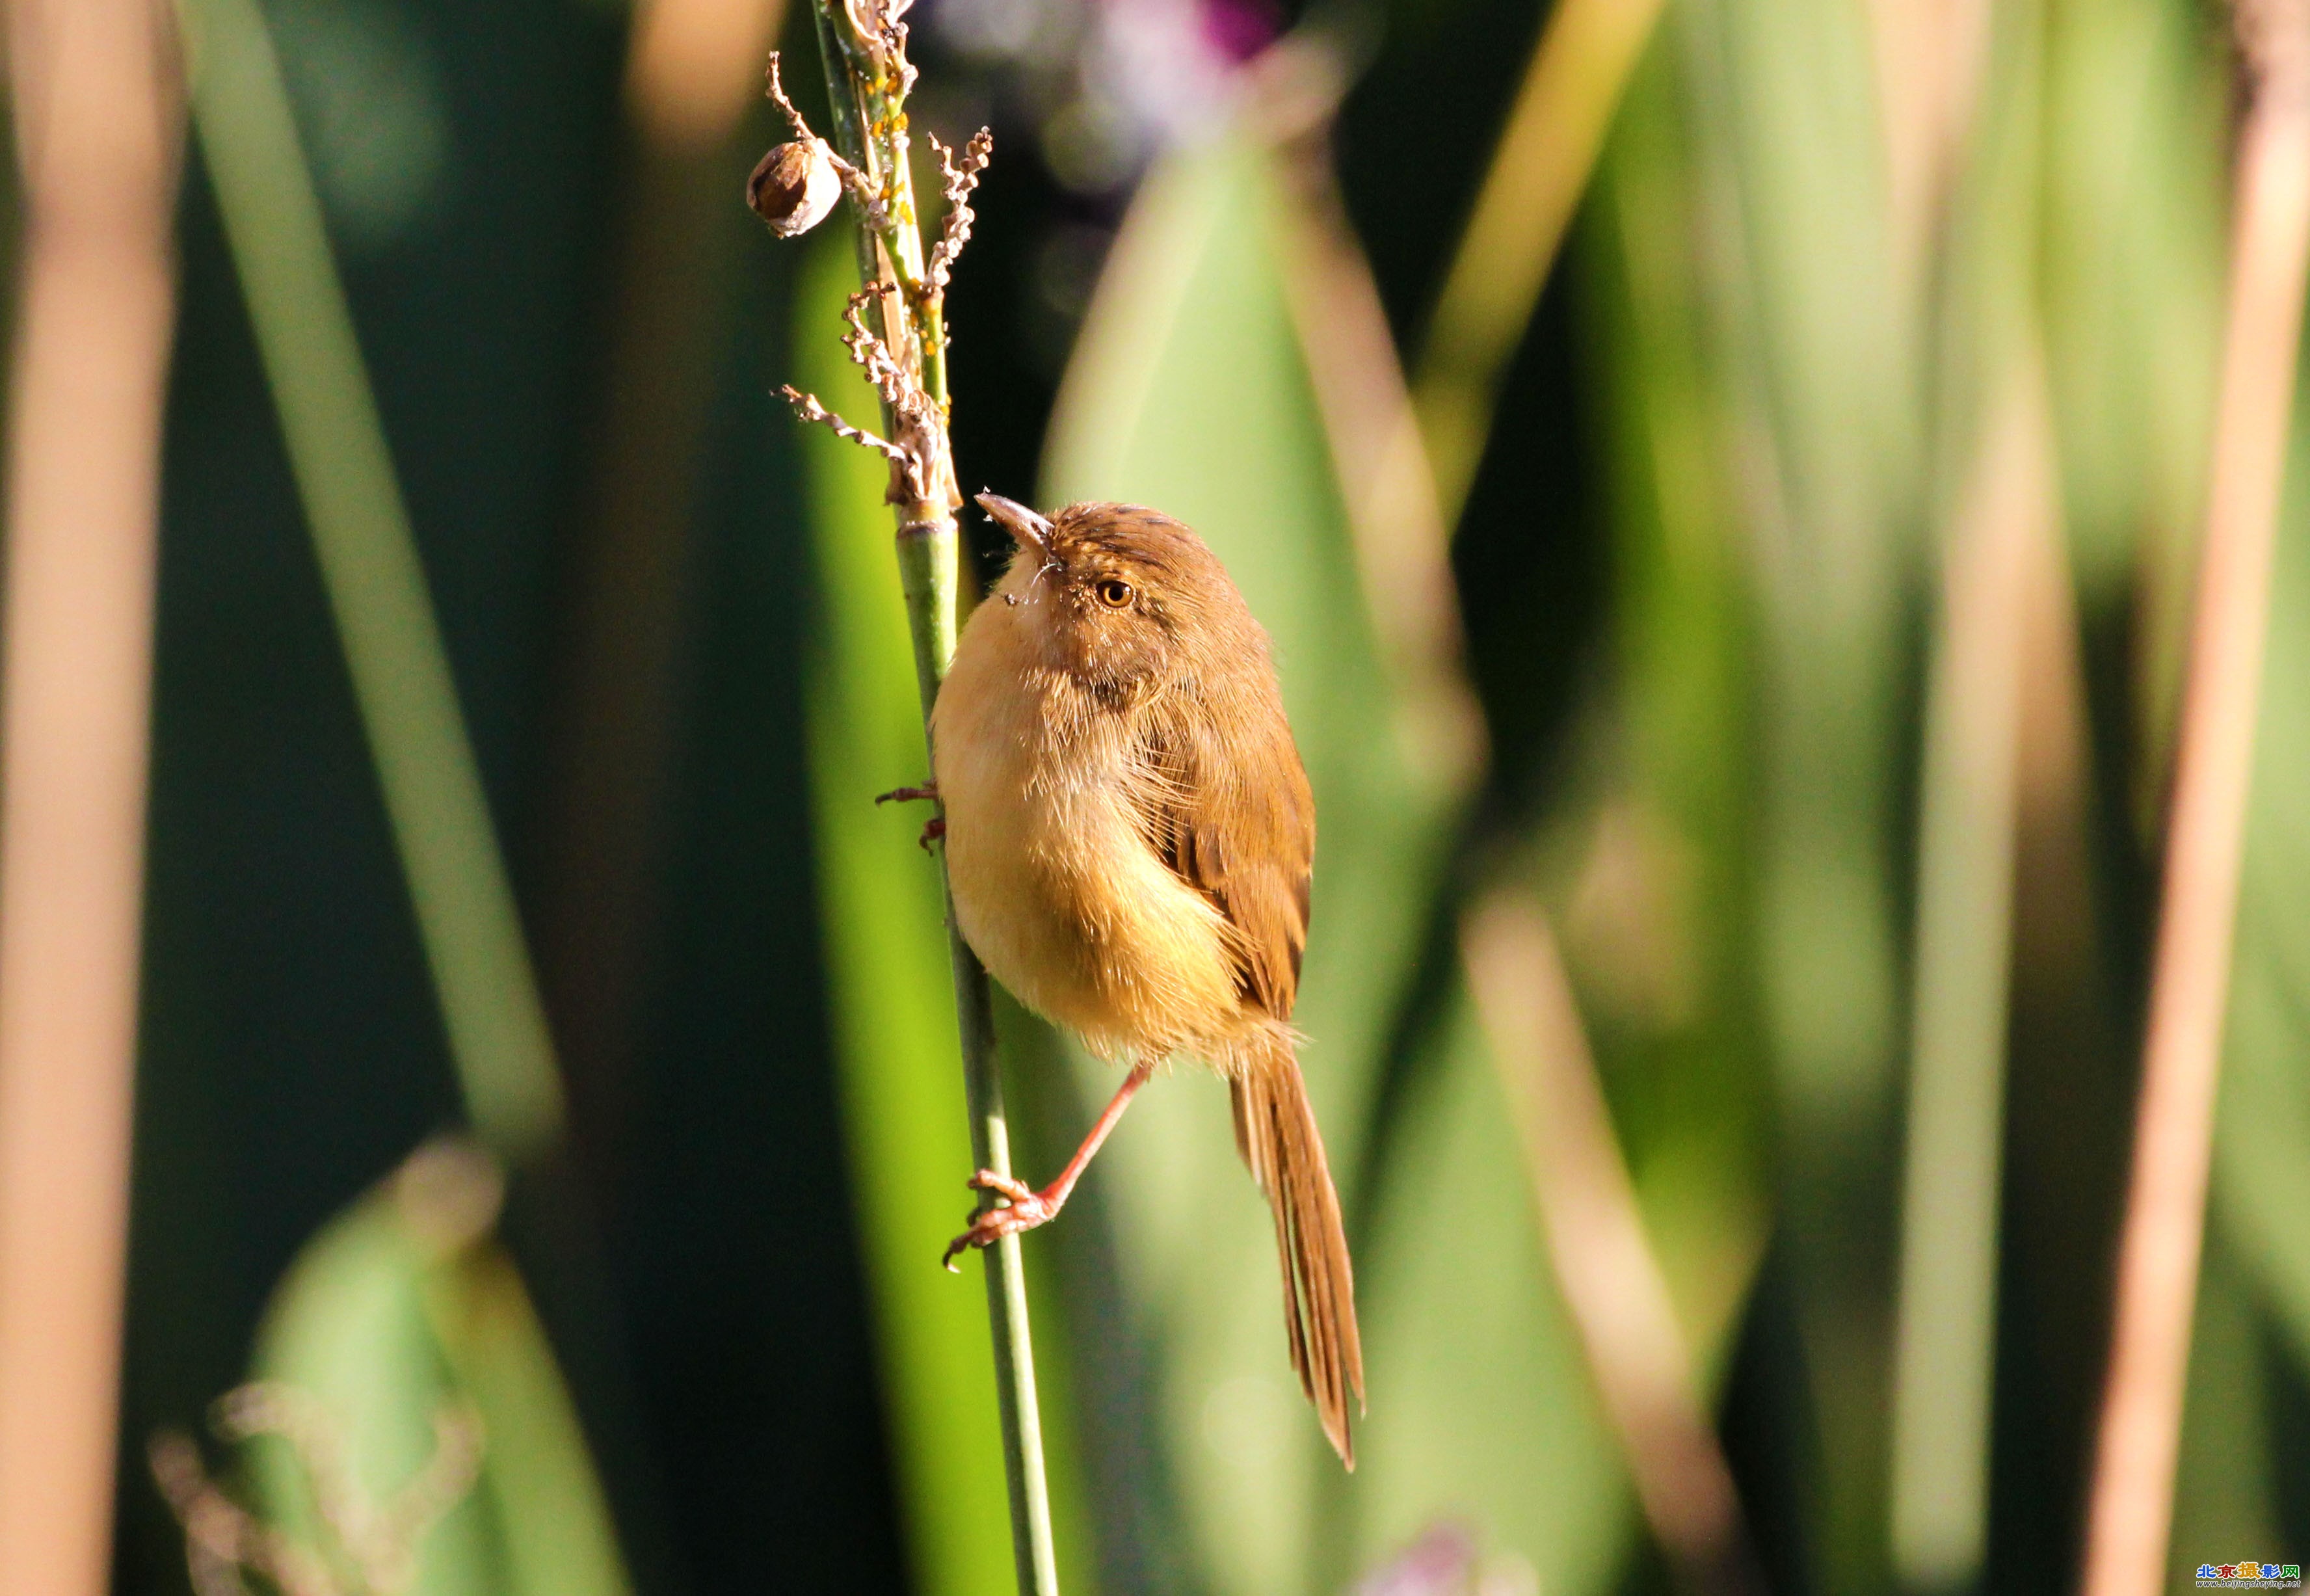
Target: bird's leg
[(1028, 1208), (933, 829)]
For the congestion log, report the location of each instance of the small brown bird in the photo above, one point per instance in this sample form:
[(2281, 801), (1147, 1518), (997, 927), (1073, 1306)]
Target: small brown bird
[(1129, 836)]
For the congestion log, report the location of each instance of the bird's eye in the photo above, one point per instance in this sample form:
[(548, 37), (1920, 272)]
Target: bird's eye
[(1113, 592)]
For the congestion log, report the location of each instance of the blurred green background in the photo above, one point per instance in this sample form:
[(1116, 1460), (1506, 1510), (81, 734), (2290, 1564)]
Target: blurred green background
[(1853, 290)]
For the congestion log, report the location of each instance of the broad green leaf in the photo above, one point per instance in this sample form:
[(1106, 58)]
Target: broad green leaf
[(2225, 1479), (384, 1322), (1659, 908), (2262, 1184), (1823, 413), (537, 1482), (889, 988), (1996, 518), (1488, 1416), (1189, 391), (2135, 133)]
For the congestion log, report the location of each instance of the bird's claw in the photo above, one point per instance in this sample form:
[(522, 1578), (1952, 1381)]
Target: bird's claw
[(1017, 1192), (935, 829), (1026, 1211)]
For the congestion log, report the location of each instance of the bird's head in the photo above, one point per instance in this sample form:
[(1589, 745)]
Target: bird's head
[(1123, 598)]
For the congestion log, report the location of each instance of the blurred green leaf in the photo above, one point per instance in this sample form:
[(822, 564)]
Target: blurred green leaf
[(1483, 1407), (2136, 134), (2262, 1182), (1995, 536), (1189, 391), (467, 921), (1818, 352), (1533, 187), (2134, 131), (2225, 1483), (399, 1309), (1657, 899), (537, 1482)]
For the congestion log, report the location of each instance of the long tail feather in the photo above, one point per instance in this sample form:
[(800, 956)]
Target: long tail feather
[(1275, 1131)]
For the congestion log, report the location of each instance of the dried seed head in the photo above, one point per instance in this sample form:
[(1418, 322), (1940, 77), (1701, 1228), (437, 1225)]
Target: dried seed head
[(795, 186)]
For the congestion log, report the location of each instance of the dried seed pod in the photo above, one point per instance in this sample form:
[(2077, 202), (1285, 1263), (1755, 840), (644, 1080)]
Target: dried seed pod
[(795, 186)]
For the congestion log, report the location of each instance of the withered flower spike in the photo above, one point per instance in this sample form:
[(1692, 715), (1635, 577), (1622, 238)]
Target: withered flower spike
[(874, 356), (377, 1548), (878, 23), (875, 25), (221, 1538), (776, 91), (809, 408), (316, 1437), (957, 179)]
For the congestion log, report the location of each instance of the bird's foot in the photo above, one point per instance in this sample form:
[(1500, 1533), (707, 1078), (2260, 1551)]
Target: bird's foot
[(935, 831), (1028, 1208), (1014, 1192)]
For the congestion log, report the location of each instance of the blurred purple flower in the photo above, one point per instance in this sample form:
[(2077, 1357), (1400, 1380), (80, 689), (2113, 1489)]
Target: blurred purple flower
[(1240, 30), (1438, 1564)]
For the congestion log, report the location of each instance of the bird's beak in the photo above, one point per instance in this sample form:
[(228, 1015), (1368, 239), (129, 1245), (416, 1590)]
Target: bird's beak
[(1030, 529)]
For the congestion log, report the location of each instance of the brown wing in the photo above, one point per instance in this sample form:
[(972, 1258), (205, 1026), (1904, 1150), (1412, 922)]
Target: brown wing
[(1223, 801), (1232, 815)]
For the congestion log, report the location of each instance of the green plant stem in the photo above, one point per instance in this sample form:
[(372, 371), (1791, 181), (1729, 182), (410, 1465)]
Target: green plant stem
[(865, 89)]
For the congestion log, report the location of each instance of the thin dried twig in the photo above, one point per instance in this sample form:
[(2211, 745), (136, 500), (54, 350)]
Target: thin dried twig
[(92, 303), (1596, 1241), (2131, 1513), (426, 1497), (214, 1526), (775, 90), (268, 1408)]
